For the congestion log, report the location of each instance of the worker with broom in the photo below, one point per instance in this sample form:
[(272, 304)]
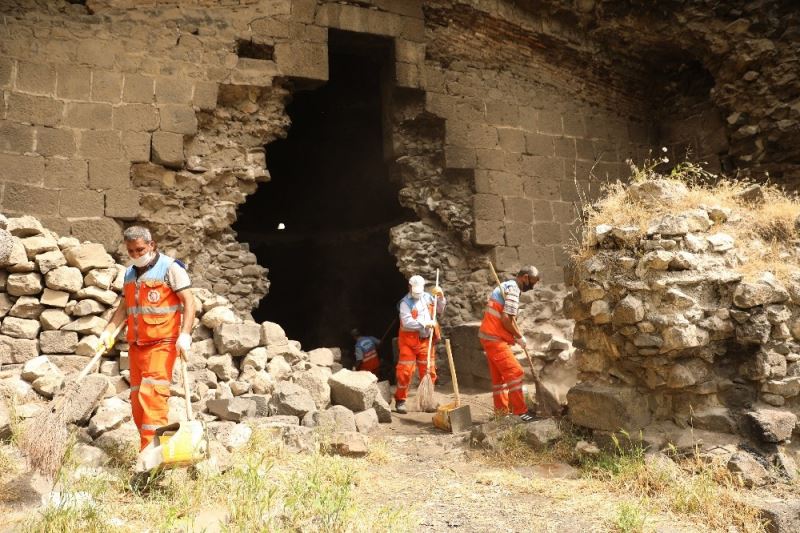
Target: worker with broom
[(417, 329), (159, 308), (498, 330)]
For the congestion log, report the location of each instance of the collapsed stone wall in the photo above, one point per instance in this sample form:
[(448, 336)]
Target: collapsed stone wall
[(56, 297), (680, 316)]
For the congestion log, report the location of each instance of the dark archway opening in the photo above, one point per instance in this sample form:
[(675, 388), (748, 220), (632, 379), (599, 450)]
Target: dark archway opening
[(330, 268)]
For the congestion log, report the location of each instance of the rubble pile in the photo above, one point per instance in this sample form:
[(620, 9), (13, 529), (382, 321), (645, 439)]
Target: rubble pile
[(56, 296), (679, 320)]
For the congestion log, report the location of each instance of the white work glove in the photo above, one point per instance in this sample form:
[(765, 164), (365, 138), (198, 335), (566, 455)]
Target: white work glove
[(522, 341), (105, 342), (428, 324), (438, 292), (183, 344)]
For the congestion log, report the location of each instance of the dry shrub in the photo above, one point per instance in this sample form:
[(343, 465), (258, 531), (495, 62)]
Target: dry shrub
[(764, 233)]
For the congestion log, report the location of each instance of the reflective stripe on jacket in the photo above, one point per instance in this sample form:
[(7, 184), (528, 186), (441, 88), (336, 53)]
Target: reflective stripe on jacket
[(154, 309)]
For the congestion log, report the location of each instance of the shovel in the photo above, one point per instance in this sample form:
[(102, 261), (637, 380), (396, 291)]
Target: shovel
[(453, 417), (177, 444)]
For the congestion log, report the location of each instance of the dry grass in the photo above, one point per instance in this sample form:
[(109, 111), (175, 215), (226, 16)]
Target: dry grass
[(763, 232)]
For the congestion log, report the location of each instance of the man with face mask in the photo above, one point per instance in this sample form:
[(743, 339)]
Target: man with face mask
[(159, 308), (498, 330), (417, 328)]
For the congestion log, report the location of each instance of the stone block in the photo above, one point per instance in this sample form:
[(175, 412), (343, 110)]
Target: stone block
[(90, 116), (291, 399), (490, 159), (505, 258), (65, 173), (546, 233), (205, 95), (100, 144), (565, 147), (505, 183), (406, 75), (542, 189), (487, 207), (173, 90), (518, 233), (563, 212), (549, 122), (138, 89), (237, 339), (250, 71), (78, 203), (551, 168), (54, 298), (518, 209), (97, 53), (56, 342), (27, 169), (101, 230), (302, 60), (539, 145), (106, 86), (39, 110), (354, 390), (16, 137), (17, 351), (73, 83), (136, 146), (47, 261), (20, 328), (178, 119), (6, 71), (511, 139), (573, 124), (122, 204), (55, 142), (105, 174), (607, 407), (460, 157), (502, 113), (36, 78), (489, 233), (167, 149), (53, 319), (19, 198), (135, 117)]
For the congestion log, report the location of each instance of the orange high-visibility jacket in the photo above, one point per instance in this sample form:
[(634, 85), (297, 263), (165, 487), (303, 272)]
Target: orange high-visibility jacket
[(492, 328), (412, 335), (154, 309)]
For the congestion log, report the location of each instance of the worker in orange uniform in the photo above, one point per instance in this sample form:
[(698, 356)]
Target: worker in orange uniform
[(366, 352), (417, 327), (498, 330), (159, 308)]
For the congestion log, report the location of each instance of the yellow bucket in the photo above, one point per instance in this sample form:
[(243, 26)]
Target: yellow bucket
[(182, 444)]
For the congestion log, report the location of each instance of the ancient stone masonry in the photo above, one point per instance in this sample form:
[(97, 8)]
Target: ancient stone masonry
[(680, 319)]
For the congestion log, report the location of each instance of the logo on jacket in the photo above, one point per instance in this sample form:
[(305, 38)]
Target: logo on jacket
[(153, 296)]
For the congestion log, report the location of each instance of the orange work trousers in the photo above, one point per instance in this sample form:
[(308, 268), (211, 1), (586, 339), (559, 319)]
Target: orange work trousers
[(151, 374), (413, 351), (370, 365), (506, 374)]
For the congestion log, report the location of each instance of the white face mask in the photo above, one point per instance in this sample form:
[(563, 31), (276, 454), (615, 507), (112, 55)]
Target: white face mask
[(144, 260)]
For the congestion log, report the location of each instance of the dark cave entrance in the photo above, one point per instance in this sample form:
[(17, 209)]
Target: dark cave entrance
[(330, 268)]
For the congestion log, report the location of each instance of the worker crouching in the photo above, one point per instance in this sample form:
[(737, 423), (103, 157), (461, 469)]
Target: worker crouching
[(159, 309), (417, 328)]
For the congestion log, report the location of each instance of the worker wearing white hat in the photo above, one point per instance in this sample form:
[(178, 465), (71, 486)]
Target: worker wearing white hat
[(417, 327)]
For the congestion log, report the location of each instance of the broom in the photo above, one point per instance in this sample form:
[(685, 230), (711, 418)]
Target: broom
[(45, 439), (425, 399), (546, 402)]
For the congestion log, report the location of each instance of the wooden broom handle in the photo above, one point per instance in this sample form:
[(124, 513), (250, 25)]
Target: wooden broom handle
[(452, 371), (433, 331)]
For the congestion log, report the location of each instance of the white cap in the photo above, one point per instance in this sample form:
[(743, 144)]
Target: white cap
[(417, 284)]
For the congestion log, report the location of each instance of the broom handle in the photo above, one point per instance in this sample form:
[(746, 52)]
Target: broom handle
[(99, 353), (452, 370), (187, 392), (433, 331), (503, 292)]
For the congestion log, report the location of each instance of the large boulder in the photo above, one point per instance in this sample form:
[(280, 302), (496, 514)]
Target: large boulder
[(354, 390), (65, 278), (237, 339), (772, 425), (58, 342), (321, 357), (13, 351), (88, 256), (607, 407), (233, 409), (337, 418), (24, 284), (291, 399), (315, 381), (218, 316), (112, 413), (349, 444), (38, 367), (366, 421), (20, 328)]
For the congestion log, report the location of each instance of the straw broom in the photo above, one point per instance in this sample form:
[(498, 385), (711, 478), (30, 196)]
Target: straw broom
[(45, 438), (425, 399)]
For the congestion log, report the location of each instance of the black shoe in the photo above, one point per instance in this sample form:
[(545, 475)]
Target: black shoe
[(400, 407), (530, 416)]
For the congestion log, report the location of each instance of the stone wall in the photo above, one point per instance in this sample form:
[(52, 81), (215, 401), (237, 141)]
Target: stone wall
[(117, 112)]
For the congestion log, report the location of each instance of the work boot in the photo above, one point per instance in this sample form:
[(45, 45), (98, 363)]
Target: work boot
[(400, 407)]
